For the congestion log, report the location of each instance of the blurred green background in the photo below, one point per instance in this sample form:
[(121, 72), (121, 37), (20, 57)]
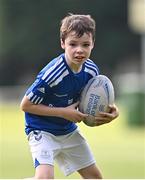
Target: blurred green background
[(29, 39), (29, 36)]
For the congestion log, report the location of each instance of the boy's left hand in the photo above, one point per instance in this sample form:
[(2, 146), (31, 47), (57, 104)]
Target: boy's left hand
[(106, 117)]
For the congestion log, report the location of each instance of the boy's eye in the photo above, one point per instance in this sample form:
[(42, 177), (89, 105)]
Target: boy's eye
[(86, 45), (72, 44)]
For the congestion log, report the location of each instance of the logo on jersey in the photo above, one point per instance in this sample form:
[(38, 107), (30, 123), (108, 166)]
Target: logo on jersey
[(41, 89), (60, 95), (70, 101)]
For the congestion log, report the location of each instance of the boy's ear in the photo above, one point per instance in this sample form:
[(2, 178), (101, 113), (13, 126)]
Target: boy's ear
[(93, 46), (62, 44)]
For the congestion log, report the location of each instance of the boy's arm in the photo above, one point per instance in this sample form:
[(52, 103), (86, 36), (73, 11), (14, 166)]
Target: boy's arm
[(70, 113)]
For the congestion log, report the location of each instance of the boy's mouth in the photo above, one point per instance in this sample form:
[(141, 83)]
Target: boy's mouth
[(79, 57)]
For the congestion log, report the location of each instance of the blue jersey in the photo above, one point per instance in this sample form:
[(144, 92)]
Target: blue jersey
[(57, 86)]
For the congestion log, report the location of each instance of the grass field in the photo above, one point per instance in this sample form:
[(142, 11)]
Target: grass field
[(118, 149)]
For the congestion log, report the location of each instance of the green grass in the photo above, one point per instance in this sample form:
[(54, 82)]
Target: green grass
[(118, 149)]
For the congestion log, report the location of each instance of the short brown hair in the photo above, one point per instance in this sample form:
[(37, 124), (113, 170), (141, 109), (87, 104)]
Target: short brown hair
[(79, 23)]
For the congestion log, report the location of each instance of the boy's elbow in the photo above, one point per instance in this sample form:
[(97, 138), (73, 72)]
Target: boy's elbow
[(24, 104), (22, 107)]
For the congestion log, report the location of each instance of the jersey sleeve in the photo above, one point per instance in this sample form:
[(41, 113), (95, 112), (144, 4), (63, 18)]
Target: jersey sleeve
[(91, 68), (37, 91)]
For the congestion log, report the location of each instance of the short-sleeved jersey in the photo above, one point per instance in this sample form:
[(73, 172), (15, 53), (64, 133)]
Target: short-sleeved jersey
[(57, 86)]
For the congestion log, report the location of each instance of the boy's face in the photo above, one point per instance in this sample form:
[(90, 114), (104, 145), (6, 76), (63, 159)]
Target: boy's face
[(77, 49)]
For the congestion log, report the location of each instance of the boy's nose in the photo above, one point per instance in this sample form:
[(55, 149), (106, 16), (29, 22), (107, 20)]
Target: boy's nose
[(79, 49)]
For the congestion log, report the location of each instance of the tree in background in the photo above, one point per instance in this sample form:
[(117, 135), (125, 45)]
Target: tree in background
[(29, 35)]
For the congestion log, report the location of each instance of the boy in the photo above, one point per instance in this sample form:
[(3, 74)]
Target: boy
[(50, 104)]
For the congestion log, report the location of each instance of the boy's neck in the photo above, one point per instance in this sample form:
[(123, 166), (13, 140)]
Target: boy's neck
[(75, 68)]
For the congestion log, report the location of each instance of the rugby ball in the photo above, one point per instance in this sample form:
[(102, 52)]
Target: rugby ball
[(95, 98)]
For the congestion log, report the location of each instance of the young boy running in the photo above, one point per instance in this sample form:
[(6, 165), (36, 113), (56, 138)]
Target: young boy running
[(50, 104)]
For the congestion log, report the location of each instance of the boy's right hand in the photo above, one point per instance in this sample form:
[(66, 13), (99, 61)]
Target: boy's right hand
[(72, 114)]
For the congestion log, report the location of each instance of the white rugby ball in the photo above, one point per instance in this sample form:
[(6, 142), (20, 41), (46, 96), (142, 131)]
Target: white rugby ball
[(95, 97)]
